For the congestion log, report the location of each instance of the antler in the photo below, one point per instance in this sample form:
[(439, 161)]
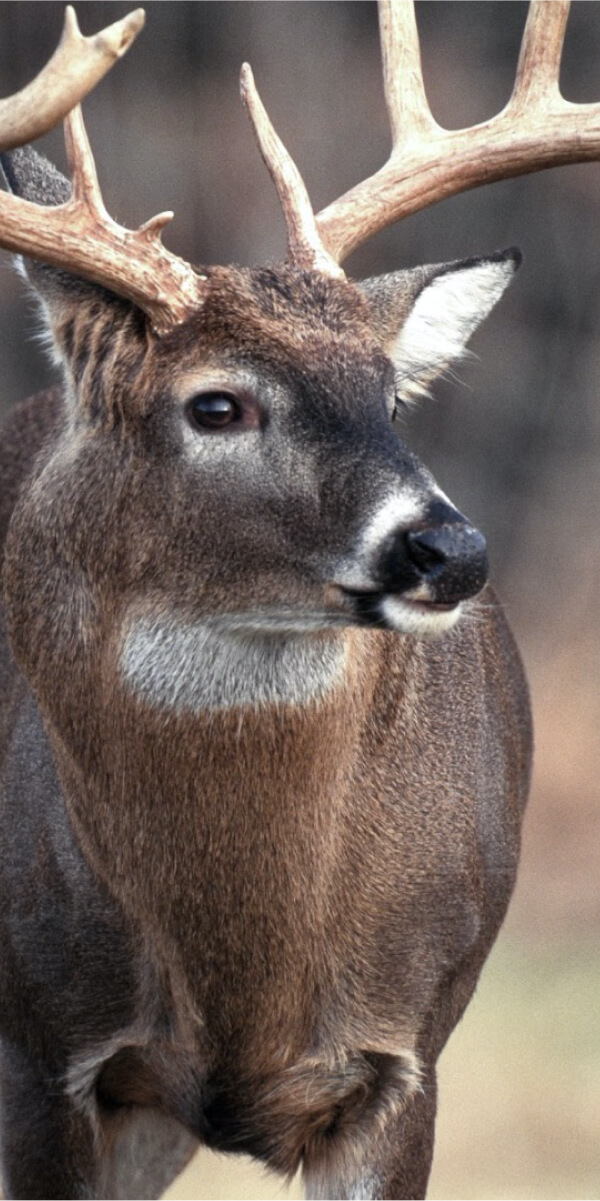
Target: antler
[(79, 235), (304, 243), (76, 66), (537, 129)]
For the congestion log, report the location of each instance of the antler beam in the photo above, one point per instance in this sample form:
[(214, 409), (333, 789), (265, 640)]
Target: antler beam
[(537, 129), (76, 66), (81, 237)]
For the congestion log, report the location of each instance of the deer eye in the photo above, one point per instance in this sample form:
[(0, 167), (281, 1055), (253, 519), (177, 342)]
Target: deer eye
[(214, 410)]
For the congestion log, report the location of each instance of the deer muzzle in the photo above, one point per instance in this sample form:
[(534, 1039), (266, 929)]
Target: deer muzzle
[(421, 573), (450, 559)]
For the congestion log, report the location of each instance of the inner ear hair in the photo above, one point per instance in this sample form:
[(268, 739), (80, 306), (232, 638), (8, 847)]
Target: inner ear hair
[(424, 318)]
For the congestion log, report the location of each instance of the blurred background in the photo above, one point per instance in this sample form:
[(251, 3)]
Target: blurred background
[(515, 442)]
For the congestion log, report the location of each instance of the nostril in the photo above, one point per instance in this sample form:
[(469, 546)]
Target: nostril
[(427, 548), (450, 558), (447, 559)]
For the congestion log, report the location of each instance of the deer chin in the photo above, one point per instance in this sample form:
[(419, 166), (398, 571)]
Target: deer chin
[(422, 619)]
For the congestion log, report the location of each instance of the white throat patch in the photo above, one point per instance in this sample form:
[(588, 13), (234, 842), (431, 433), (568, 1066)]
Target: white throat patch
[(198, 666)]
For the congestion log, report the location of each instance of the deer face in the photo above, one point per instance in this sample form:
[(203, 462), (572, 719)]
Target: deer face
[(311, 512), (243, 473), (236, 477)]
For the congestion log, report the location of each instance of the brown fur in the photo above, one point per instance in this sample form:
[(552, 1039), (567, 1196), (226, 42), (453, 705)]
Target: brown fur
[(310, 890)]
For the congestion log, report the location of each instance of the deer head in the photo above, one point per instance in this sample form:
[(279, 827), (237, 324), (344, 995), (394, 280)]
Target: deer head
[(229, 460)]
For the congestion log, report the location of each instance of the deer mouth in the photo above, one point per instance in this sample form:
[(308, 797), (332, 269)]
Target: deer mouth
[(417, 615), (375, 596)]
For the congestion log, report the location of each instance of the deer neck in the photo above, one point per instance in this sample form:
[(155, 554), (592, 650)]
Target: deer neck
[(211, 796)]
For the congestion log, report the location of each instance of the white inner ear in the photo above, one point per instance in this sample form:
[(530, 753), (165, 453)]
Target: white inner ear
[(442, 319)]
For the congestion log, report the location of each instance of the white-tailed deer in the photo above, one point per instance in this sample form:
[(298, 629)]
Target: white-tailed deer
[(264, 753)]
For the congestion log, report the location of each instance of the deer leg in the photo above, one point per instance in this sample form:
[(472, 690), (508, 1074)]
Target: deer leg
[(46, 1144), (144, 1155), (386, 1156), (407, 1151)]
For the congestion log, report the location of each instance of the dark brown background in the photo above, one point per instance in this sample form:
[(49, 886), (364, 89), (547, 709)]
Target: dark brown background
[(516, 443)]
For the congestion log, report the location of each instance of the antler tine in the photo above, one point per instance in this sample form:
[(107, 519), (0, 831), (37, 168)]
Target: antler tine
[(407, 106), (85, 185), (84, 177), (536, 81), (76, 66), (537, 129), (305, 248)]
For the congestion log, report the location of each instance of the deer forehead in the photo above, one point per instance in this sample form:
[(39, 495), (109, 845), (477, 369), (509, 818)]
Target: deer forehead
[(297, 330), (115, 373)]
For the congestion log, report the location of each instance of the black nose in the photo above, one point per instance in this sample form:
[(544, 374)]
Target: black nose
[(450, 558)]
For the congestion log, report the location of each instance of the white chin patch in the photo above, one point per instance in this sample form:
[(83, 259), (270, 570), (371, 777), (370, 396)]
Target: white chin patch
[(420, 620), (194, 667)]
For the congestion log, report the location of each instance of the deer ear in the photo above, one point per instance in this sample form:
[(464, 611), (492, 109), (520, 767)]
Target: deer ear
[(424, 318)]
